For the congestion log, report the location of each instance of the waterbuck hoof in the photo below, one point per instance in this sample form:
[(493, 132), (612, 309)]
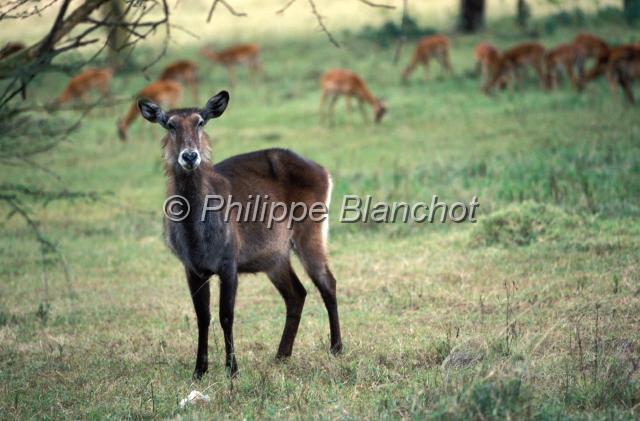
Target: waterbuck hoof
[(199, 372), (232, 368), (281, 357), (336, 349)]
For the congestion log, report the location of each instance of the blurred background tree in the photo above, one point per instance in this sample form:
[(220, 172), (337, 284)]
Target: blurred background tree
[(118, 36), (523, 13), (631, 10), (471, 15)]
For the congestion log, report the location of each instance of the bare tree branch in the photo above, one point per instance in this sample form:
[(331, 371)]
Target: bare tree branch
[(225, 4), (372, 4), (49, 41), (14, 5), (322, 25), (319, 17), (47, 246), (285, 7)]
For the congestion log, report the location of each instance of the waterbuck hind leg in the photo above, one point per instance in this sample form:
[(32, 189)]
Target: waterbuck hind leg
[(200, 294), (311, 251), (228, 288), (293, 293)]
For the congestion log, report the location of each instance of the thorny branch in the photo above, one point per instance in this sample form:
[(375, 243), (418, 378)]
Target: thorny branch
[(12, 6), (320, 20), (322, 25), (225, 4), (372, 4), (318, 16), (285, 7)]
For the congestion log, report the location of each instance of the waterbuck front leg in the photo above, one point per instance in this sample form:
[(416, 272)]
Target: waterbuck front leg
[(228, 287), (199, 287)]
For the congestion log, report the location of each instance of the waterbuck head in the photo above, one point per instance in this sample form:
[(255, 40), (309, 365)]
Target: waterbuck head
[(186, 145)]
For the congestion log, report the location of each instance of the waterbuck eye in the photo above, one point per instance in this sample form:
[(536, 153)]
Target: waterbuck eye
[(200, 124), (171, 126)]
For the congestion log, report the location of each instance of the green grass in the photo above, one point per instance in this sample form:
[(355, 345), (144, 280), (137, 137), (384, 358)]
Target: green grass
[(489, 320)]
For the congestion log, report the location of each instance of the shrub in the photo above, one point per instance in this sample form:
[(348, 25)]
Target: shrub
[(497, 399), (522, 224)]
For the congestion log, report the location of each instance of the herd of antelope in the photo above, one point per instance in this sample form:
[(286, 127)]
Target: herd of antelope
[(208, 244), (620, 64)]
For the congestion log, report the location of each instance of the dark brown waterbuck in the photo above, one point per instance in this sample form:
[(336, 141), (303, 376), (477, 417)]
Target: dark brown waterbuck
[(213, 245)]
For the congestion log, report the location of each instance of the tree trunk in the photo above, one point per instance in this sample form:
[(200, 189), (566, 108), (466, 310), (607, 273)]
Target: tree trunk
[(471, 15), (114, 11), (523, 13)]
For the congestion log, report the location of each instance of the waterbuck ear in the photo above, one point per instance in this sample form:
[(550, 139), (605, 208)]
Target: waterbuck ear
[(215, 106), (152, 112)]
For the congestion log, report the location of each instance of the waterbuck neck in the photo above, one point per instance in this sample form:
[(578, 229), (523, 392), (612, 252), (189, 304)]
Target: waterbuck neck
[(193, 185)]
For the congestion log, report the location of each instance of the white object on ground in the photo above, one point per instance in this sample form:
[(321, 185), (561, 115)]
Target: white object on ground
[(194, 398)]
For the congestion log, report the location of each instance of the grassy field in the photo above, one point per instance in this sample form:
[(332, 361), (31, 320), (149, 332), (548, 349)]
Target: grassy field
[(532, 312)]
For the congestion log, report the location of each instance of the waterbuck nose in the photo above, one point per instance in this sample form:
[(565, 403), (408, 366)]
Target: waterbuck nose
[(189, 159), (190, 156)]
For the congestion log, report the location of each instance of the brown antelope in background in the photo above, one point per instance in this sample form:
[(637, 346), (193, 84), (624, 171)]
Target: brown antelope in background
[(184, 71), (623, 69), (436, 47), (567, 58), (513, 61), (207, 243), (243, 54), (80, 85), (596, 49), (487, 57), (165, 92), (339, 82)]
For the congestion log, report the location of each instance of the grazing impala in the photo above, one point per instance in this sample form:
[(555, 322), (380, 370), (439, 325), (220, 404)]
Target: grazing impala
[(596, 49), (339, 82), (623, 69), (487, 57), (514, 60), (80, 85), (567, 57), (218, 242), (243, 54), (436, 47), (165, 92), (184, 71)]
